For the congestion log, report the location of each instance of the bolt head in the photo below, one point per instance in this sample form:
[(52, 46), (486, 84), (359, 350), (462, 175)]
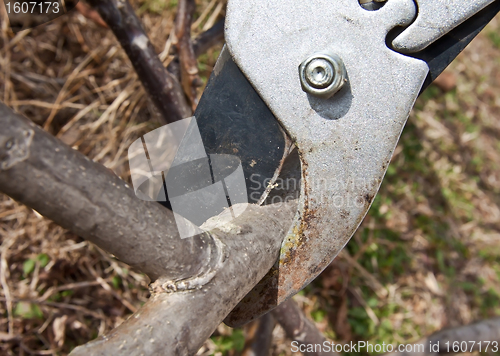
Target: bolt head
[(322, 75)]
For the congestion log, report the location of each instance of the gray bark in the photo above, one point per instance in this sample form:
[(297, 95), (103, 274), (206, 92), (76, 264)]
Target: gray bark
[(62, 184), (161, 86), (260, 336), (298, 328)]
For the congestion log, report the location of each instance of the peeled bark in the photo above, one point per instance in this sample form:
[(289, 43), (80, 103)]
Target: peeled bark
[(178, 322)]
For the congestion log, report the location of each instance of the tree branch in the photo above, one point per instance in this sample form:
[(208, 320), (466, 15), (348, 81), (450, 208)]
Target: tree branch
[(189, 66), (205, 40), (209, 38), (91, 14), (62, 184), (260, 336), (163, 88), (298, 328)]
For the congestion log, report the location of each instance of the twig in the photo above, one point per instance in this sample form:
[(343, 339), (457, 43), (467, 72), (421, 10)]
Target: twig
[(201, 44), (64, 91), (4, 269), (70, 286), (298, 328), (163, 88), (204, 14), (90, 14), (374, 284), (356, 292), (213, 17), (189, 66), (107, 288), (209, 38), (260, 336), (58, 305)]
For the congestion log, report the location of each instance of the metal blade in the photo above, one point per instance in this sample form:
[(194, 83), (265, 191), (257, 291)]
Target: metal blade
[(234, 120), (442, 52)]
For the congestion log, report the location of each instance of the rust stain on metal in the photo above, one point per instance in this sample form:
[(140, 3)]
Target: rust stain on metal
[(305, 252), (295, 240), (296, 250)]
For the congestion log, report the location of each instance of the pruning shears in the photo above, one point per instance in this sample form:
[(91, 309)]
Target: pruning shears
[(312, 97)]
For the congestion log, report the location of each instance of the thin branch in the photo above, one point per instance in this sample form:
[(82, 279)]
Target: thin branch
[(298, 328), (211, 37), (62, 184), (475, 336), (201, 44), (260, 336), (163, 88), (86, 11), (189, 66)]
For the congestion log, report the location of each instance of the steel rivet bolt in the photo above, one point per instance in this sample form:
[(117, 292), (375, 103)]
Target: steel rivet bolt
[(322, 75)]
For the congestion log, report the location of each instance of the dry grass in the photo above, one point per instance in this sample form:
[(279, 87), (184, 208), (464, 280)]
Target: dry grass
[(425, 258)]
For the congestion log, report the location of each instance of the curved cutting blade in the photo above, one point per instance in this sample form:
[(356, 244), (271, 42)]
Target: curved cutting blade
[(233, 119)]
